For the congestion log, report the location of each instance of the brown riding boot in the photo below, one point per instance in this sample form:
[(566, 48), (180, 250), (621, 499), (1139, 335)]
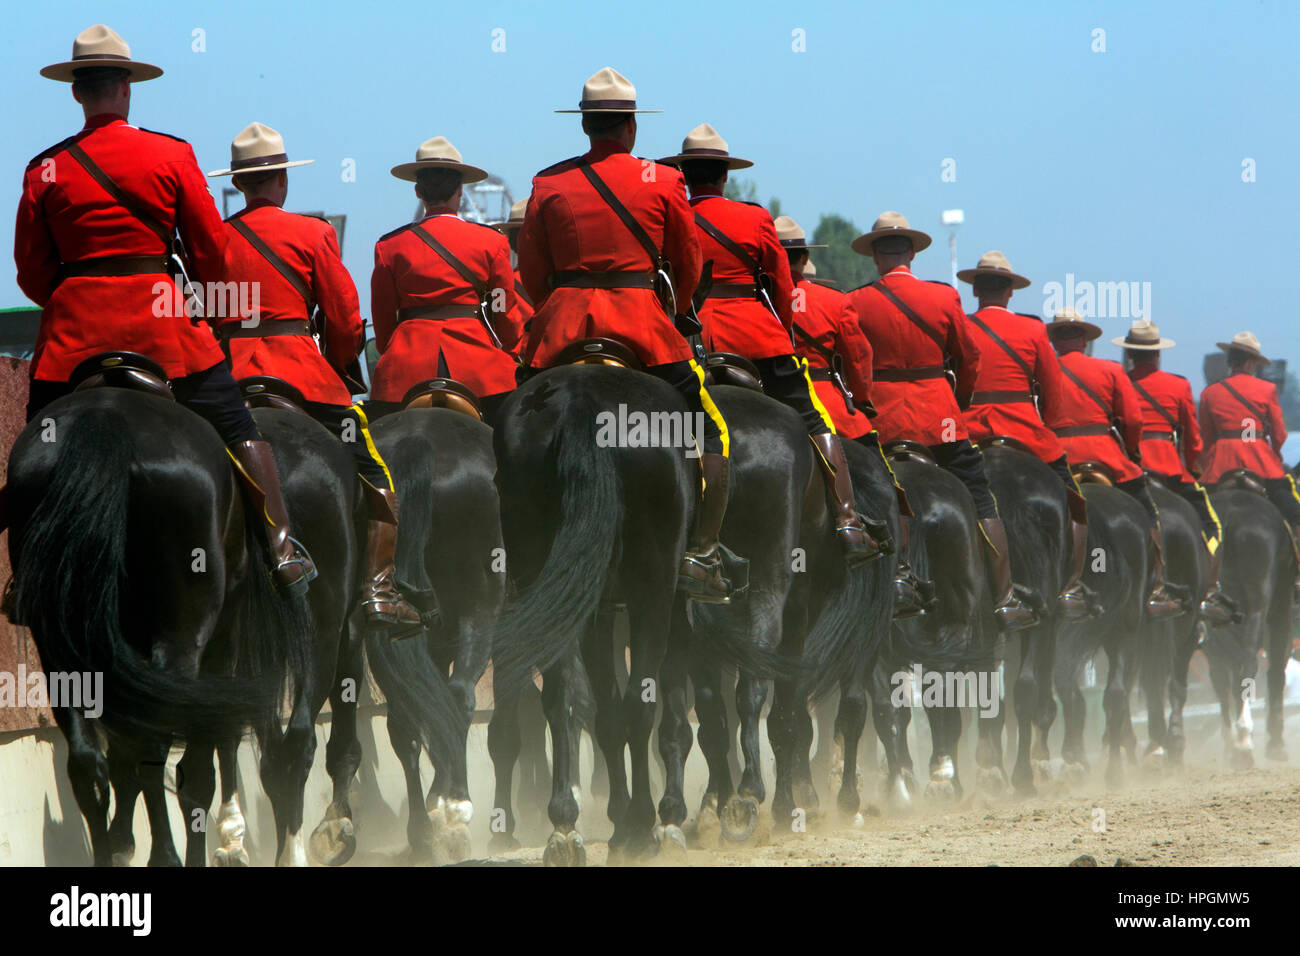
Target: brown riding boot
[(1073, 599), (383, 603), (1161, 605), (700, 575), (1010, 612), (856, 541), (291, 566), (912, 596), (1216, 607)]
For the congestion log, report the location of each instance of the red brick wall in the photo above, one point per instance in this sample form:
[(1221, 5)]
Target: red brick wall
[(15, 642)]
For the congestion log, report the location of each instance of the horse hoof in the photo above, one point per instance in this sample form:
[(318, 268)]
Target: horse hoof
[(1075, 774), (1277, 752), (503, 843), (450, 822), (940, 791), (235, 856), (899, 795), (333, 842), (1241, 759), (1047, 771), (708, 826), (739, 819), (565, 849), (670, 845), (990, 781)]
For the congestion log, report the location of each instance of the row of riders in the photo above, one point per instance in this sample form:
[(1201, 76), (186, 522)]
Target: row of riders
[(620, 261)]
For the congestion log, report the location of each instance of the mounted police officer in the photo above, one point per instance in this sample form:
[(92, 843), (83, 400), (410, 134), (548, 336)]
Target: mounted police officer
[(917, 329), (607, 250), (303, 291), (748, 312), (95, 233)]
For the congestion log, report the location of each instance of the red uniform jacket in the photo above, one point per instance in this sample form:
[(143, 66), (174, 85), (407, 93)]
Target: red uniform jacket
[(1240, 437), (924, 410), (409, 273), (999, 372), (309, 247), (825, 323), (1077, 410), (744, 326), (1173, 393), (523, 316), (65, 215), (568, 226)]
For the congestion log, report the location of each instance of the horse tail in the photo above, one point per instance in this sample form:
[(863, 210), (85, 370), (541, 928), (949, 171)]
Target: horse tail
[(850, 630), (418, 696), (68, 587), (545, 623), (408, 459)]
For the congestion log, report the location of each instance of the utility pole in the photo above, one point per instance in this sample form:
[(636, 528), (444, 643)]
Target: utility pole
[(951, 219)]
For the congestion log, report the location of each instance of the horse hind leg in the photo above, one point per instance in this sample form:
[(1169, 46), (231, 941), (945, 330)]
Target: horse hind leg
[(565, 847), (649, 621), (126, 793), (334, 841), (231, 827), (152, 768), (196, 784), (675, 737)]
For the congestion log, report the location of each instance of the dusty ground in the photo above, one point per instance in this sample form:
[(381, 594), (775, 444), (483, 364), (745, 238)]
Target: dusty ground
[(1194, 818)]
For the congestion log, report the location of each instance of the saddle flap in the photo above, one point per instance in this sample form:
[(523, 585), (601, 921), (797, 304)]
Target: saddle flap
[(122, 370), (902, 450), (1092, 472), (727, 368), (267, 391), (443, 393), (599, 351), (1241, 479)]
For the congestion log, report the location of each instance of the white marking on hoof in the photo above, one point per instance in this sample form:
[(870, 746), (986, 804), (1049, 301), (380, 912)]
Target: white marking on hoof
[(1244, 729), (231, 829), (295, 853), (899, 796), (458, 812)]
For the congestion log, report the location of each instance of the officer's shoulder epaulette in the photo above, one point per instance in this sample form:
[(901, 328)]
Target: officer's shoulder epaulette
[(562, 166), (401, 228), (51, 151), (941, 282), (168, 135), (865, 285), (1030, 315), (485, 225)]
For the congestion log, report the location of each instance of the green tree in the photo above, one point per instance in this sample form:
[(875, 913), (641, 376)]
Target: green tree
[(741, 189), (837, 261)]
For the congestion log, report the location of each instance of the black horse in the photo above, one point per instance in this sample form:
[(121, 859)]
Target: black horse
[(1259, 567), (133, 558), (452, 565)]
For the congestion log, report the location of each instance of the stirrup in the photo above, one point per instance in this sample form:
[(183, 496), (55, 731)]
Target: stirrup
[(300, 557)]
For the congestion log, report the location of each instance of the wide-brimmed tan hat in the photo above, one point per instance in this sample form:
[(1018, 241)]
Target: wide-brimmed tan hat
[(993, 264), (1069, 319), (516, 219), (1244, 342), (792, 236), (100, 46), (438, 153), (608, 91), (258, 149), (890, 224), (1143, 334), (703, 142)]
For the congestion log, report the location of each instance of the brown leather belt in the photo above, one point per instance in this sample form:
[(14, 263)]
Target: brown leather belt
[(1158, 436), (582, 279), (437, 313), (733, 290), (821, 375), (264, 328), (116, 266), (907, 374), (1000, 398), (1080, 431)]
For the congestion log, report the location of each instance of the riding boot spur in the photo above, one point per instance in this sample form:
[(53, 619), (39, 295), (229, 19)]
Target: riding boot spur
[(1161, 605), (292, 568), (854, 534), (383, 604), (1010, 612), (700, 575)]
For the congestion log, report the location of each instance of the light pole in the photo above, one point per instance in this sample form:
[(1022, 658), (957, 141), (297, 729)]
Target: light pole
[(951, 219)]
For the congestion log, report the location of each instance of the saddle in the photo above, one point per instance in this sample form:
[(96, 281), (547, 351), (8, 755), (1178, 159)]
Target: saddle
[(1092, 473), (267, 391), (727, 368), (443, 393), (1005, 441), (122, 370), (599, 351), (1241, 479), (901, 449)]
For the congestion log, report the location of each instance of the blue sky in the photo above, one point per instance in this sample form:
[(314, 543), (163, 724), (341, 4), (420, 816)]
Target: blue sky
[(1117, 166)]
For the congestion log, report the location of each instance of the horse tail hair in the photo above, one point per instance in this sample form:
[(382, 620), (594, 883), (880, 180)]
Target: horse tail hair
[(546, 622), (68, 587), (418, 696), (416, 520), (848, 634)]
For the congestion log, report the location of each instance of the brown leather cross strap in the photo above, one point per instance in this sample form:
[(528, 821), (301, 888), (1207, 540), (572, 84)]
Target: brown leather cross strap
[(733, 290), (1080, 431), (116, 266), (582, 279), (477, 284), (124, 199), (1157, 436), (629, 220), (1159, 409), (1002, 344), (437, 313), (910, 314), (761, 279), (522, 293), (286, 271), (1265, 426), (264, 328), (908, 374), (1001, 398), (1083, 387)]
